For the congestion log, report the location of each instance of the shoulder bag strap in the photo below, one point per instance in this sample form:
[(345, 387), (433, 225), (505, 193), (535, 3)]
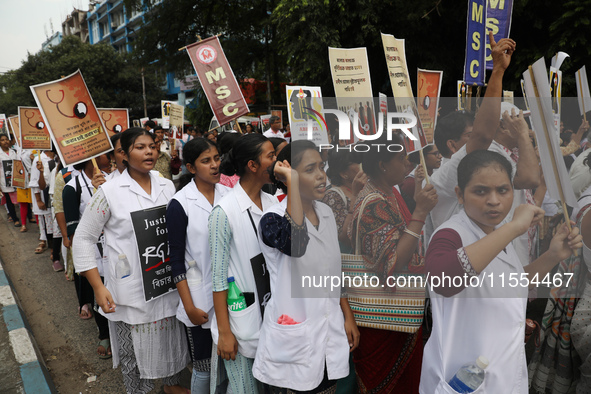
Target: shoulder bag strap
[(361, 209)]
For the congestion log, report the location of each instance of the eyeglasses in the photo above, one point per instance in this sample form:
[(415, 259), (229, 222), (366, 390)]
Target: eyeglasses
[(434, 153)]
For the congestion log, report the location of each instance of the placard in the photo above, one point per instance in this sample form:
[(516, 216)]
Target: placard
[(19, 174), (428, 92), (305, 113), (72, 119), (33, 130), (116, 120), (7, 169), (13, 123), (151, 236)]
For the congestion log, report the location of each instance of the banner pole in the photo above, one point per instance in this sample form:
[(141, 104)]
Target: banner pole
[(552, 158), (469, 98), (424, 165), (582, 97), (239, 128)]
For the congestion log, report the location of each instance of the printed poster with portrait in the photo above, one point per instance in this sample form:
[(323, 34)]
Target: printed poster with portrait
[(34, 133), (116, 120), (4, 126), (305, 112), (151, 235), (72, 119)]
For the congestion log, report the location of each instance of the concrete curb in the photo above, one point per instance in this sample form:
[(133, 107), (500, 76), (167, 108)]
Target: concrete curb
[(35, 377)]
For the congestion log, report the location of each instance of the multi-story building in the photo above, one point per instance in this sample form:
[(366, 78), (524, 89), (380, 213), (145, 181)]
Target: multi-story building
[(76, 25), (108, 23), (55, 39)]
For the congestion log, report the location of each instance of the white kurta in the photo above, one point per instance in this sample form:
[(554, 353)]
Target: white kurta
[(294, 356), (481, 321)]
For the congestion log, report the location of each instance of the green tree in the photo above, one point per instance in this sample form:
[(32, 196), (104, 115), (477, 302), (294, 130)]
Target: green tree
[(113, 80)]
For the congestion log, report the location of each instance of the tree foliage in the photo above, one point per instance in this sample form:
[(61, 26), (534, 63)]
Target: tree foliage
[(112, 79)]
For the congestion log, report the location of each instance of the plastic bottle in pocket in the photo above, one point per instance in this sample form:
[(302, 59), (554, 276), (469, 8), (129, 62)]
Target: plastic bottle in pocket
[(470, 376), (236, 301), (193, 275), (122, 269)]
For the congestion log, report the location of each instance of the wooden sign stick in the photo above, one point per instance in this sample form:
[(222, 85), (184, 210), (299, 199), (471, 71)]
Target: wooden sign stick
[(424, 165), (582, 97)]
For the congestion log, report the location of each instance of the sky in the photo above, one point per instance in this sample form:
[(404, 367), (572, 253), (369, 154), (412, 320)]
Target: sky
[(24, 24)]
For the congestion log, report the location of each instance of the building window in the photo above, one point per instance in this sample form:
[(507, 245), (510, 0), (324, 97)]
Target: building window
[(95, 31), (135, 12)]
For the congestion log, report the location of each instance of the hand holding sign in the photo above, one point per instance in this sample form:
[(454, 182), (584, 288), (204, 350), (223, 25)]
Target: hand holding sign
[(501, 51)]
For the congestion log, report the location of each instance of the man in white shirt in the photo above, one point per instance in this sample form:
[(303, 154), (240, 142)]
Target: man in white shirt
[(275, 129)]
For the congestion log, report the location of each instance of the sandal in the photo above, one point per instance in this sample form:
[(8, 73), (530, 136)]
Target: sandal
[(106, 344), (85, 313), (41, 247), (10, 220), (33, 221), (24, 229), (17, 224)]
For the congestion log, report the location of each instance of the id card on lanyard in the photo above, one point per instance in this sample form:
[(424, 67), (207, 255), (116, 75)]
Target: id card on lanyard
[(260, 272)]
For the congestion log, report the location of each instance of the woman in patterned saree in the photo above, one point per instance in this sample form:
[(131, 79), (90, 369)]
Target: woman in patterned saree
[(389, 361)]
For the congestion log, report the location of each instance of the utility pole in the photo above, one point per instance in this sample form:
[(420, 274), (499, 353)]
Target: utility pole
[(144, 94)]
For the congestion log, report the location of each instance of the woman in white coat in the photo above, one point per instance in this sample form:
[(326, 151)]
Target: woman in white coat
[(146, 338), (235, 252), (299, 240), (480, 314), (186, 220), (41, 168)]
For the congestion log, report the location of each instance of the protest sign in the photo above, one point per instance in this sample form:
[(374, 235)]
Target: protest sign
[(4, 126), (305, 113), (475, 63), (72, 119), (462, 92), (33, 130), (116, 120), (151, 235), (176, 120), (279, 114), (401, 87), (265, 119), (508, 96), (7, 168), (583, 95), (13, 123), (556, 176), (19, 175), (428, 92), (143, 121), (136, 123), (165, 105), (352, 85), (556, 94), (217, 80), (498, 20)]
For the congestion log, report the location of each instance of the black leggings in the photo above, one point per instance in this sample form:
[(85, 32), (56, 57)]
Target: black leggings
[(11, 208)]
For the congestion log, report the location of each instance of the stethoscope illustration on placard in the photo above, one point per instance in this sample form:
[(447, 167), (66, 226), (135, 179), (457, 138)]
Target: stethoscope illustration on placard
[(116, 129), (39, 125), (80, 109)]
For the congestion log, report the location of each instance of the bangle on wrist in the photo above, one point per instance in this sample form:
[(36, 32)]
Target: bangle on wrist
[(412, 233)]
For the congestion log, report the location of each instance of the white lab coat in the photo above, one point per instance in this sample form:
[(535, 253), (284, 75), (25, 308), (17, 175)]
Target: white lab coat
[(34, 182), (124, 195), (198, 209), (294, 356), (245, 324), (481, 321)]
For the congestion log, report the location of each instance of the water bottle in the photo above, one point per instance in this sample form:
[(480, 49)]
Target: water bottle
[(122, 269), (193, 275), (470, 376), (236, 300)]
